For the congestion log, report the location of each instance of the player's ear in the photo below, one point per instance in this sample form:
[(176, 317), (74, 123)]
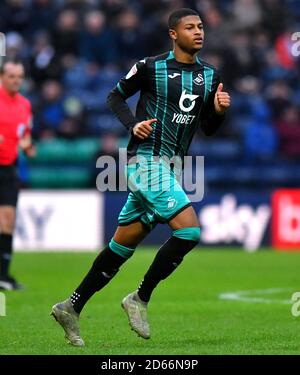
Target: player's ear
[(173, 34)]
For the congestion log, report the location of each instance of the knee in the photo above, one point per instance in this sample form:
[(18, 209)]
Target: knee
[(189, 233), (123, 251)]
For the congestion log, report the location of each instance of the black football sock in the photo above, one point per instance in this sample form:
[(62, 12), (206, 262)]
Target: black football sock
[(104, 268), (5, 254), (168, 257)]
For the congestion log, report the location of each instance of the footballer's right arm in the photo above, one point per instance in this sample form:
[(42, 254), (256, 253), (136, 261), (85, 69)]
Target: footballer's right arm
[(126, 87)]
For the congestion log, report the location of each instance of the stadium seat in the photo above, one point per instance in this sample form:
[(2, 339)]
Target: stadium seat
[(60, 150), (53, 177)]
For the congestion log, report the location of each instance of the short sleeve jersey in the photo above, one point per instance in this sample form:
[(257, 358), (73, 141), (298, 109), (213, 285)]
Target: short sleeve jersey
[(15, 122)]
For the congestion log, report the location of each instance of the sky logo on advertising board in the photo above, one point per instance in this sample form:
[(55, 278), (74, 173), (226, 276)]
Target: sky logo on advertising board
[(286, 219), (37, 220), (227, 222)]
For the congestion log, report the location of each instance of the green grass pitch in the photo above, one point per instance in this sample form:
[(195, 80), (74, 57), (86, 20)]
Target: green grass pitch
[(186, 314)]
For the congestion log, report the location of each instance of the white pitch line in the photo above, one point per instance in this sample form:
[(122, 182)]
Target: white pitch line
[(250, 295)]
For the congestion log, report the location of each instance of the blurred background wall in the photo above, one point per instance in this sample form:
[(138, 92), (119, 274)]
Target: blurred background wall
[(75, 51)]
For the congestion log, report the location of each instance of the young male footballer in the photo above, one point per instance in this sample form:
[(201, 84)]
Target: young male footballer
[(178, 93)]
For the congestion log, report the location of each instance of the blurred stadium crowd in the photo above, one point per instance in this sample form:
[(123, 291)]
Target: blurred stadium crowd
[(75, 51)]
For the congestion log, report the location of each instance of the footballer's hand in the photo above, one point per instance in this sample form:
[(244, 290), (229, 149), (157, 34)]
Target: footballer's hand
[(143, 129), (1, 139), (222, 100)]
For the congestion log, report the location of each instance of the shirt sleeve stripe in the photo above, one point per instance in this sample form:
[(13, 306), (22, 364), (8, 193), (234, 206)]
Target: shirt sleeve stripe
[(121, 90)]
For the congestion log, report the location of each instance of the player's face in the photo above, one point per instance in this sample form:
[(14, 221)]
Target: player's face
[(189, 34), (12, 77)]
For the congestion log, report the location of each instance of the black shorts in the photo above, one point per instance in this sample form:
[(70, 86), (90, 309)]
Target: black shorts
[(9, 185)]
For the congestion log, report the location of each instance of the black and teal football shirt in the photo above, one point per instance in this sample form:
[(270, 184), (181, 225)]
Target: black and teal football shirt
[(180, 96)]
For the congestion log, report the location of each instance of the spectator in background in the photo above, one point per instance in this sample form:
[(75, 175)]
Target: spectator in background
[(288, 127), (247, 13), (216, 29), (42, 15), (15, 16), (73, 121), (44, 61), (16, 47), (278, 96), (274, 17), (113, 8), (260, 47), (97, 42), (65, 35), (156, 42), (260, 138), (273, 70), (50, 112), (240, 62), (130, 40)]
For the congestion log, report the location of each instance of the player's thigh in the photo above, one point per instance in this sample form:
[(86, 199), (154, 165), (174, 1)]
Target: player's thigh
[(7, 218), (168, 200), (186, 218), (130, 235), (132, 222), (131, 211)]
